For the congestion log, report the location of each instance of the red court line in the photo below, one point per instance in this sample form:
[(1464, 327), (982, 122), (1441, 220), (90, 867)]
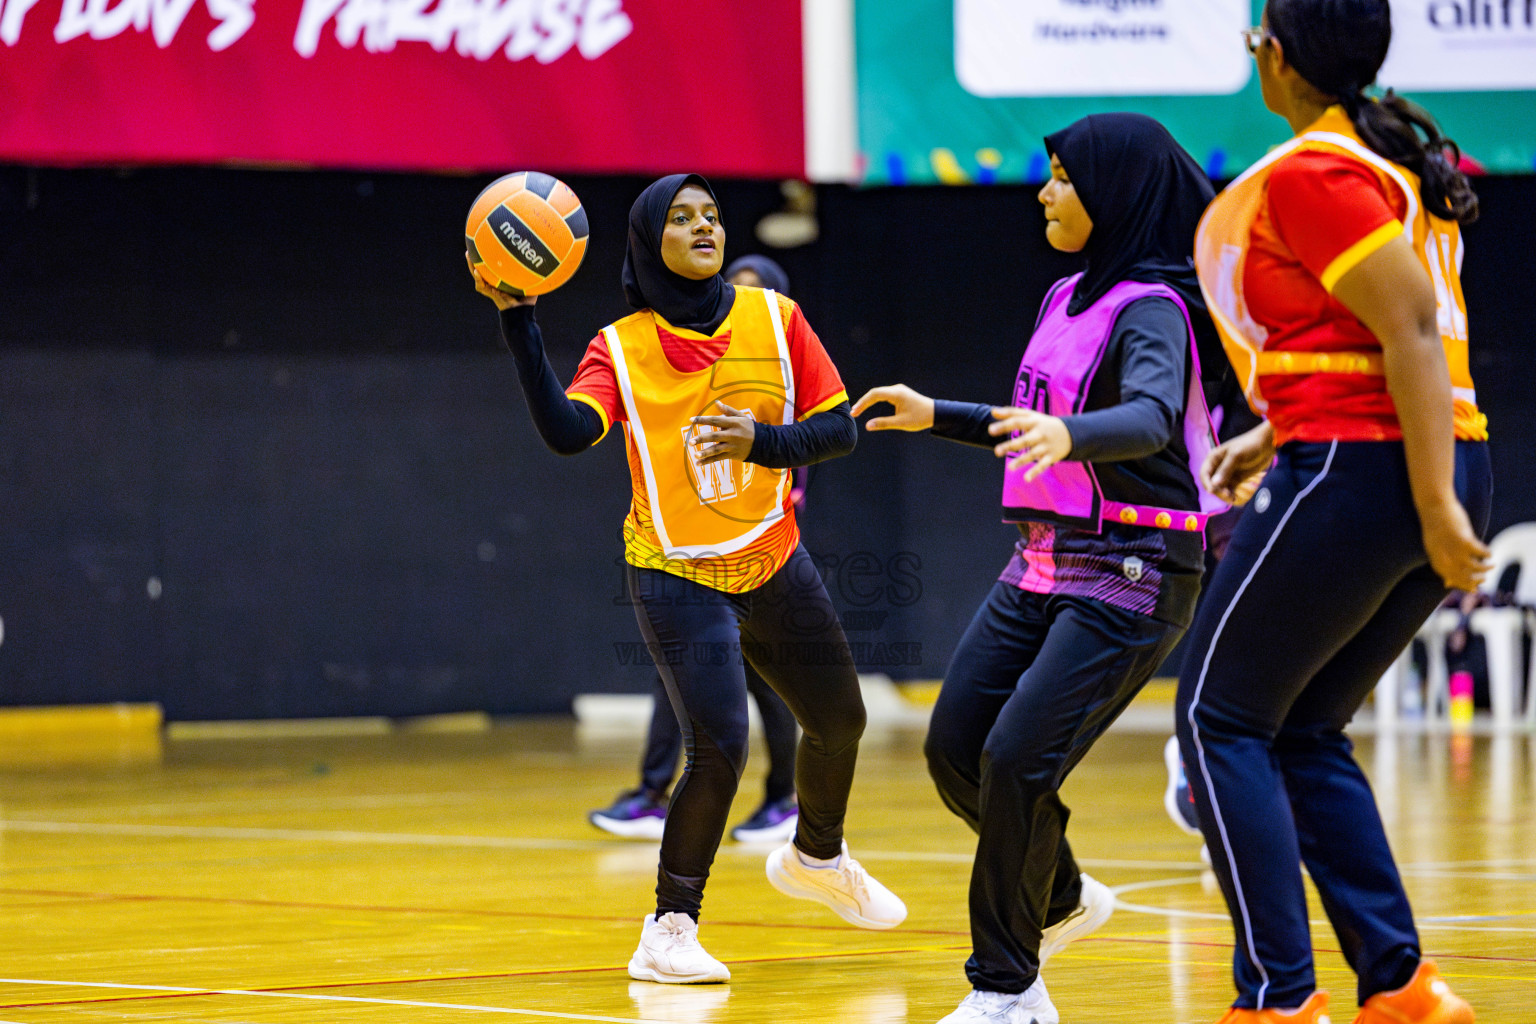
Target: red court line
[(384, 983), (548, 972), (600, 918), (440, 911), (62, 901), (789, 958)]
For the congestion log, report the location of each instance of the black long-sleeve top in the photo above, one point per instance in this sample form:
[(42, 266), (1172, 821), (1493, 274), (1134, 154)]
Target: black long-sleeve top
[(1130, 429), (568, 427), (1130, 426)]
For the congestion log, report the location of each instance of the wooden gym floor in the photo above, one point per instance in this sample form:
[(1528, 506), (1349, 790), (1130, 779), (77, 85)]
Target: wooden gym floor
[(418, 876)]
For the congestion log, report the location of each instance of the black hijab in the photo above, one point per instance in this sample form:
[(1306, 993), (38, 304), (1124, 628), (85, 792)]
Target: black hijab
[(648, 284), (1145, 195)]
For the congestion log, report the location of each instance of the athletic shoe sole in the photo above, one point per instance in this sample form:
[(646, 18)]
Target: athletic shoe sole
[(642, 972), (629, 828), (783, 832)]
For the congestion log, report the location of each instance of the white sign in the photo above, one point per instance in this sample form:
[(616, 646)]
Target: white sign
[(1461, 45), (1102, 47)]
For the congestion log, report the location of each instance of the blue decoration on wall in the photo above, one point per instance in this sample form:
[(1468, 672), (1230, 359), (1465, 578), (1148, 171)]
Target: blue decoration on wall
[(1039, 167), (1215, 163)]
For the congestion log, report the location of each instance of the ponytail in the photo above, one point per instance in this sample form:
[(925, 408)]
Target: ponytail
[(1391, 126), (1338, 46)]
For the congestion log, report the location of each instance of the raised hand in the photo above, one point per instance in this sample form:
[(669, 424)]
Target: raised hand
[(912, 410), (502, 299)]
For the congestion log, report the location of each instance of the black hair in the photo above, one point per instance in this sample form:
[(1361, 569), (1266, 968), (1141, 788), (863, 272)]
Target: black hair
[(1338, 46)]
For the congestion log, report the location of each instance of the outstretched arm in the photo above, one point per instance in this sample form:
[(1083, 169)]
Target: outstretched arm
[(965, 422), (566, 427)]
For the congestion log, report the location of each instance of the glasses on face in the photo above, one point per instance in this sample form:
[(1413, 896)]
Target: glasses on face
[(1253, 38)]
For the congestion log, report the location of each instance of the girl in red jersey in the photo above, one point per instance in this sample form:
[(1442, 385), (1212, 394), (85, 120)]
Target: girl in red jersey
[(720, 389), (1332, 271), (641, 813)]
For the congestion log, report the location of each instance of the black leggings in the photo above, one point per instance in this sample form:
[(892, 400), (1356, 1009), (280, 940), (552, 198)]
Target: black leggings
[(1037, 678), (664, 741), (789, 631)]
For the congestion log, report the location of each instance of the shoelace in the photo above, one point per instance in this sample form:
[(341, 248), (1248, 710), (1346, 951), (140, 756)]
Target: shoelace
[(676, 936), (858, 880)]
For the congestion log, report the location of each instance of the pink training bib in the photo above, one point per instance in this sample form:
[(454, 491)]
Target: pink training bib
[(1059, 363)]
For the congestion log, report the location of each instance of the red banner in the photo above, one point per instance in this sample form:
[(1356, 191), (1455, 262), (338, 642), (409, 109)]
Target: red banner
[(567, 86)]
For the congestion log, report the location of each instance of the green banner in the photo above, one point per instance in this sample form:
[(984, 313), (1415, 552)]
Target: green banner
[(962, 91)]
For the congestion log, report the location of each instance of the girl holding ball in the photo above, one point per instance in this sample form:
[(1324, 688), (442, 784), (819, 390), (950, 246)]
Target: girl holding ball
[(720, 390)]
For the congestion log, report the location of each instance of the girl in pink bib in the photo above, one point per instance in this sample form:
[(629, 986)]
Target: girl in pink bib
[(1106, 420)]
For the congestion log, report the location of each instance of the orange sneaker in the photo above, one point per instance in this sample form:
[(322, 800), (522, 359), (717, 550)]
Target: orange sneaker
[(1426, 999), (1313, 1011)]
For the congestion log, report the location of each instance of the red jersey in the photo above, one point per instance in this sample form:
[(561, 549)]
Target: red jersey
[(818, 386), (1270, 250), (1324, 213), (731, 525)]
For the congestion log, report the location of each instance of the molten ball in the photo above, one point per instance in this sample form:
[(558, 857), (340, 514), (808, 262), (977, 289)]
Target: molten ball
[(526, 233)]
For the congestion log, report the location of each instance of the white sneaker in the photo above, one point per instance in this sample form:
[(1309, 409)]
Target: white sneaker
[(670, 953), (1093, 908), (1032, 1006), (847, 888)]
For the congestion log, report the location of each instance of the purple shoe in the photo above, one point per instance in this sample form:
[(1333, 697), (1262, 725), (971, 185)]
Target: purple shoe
[(636, 814), (771, 823)]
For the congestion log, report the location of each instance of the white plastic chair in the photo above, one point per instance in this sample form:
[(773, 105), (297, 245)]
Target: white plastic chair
[(1400, 675), (1503, 629)]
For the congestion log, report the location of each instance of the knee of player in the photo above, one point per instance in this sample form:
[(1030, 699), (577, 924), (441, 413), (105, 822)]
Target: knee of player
[(720, 747), (1022, 764), (837, 734), (1205, 722), (942, 762)]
